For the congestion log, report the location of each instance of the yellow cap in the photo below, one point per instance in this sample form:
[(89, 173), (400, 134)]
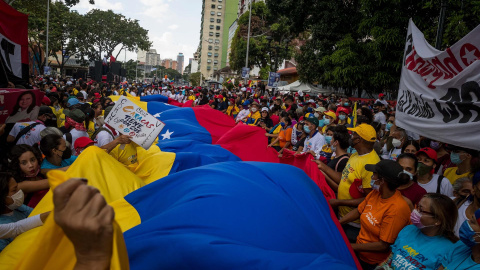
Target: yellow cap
[(331, 114), (366, 132)]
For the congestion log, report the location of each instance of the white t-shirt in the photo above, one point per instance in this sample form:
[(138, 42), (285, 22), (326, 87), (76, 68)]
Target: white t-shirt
[(75, 135), (104, 138), (445, 186), (31, 137), (380, 118), (314, 143), (462, 216), (393, 154), (84, 94)]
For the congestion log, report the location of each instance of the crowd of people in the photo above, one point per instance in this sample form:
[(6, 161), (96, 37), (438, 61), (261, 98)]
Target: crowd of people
[(404, 201)]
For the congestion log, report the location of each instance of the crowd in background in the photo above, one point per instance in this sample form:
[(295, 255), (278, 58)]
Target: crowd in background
[(404, 201)]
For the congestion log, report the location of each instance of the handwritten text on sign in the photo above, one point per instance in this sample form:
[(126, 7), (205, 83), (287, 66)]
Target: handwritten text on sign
[(129, 119)]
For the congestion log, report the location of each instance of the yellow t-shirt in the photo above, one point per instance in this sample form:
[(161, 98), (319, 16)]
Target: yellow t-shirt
[(277, 131), (125, 153), (90, 128), (61, 120), (451, 174), (355, 169)]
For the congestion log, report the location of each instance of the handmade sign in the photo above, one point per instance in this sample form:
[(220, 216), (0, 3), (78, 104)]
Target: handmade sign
[(439, 92), (129, 119)]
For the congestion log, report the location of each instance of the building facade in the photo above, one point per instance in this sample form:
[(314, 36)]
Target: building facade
[(150, 58), (217, 16), (180, 63)]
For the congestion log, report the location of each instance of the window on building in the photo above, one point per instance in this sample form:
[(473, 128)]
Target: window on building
[(217, 41), (219, 6), (213, 6), (217, 34), (210, 40), (209, 54), (219, 14), (210, 34), (209, 61), (209, 67), (220, 1), (217, 48), (215, 68), (210, 48), (212, 20), (212, 13), (215, 62), (211, 27), (216, 54), (218, 27), (219, 20)]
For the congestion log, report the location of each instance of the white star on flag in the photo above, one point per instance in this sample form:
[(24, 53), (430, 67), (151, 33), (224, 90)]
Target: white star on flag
[(469, 56), (157, 114), (167, 135)]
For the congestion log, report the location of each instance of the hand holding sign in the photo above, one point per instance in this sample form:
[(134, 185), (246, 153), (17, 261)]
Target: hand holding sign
[(136, 124)]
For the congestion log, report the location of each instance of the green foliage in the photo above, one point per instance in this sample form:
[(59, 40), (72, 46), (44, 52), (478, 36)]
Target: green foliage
[(195, 78)]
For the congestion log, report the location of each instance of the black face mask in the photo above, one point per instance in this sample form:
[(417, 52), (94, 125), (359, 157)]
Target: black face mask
[(67, 153), (375, 110), (351, 143)]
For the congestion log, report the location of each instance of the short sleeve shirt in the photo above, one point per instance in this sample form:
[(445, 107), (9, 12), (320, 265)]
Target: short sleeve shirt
[(445, 186), (31, 137), (65, 163), (284, 136), (18, 214)]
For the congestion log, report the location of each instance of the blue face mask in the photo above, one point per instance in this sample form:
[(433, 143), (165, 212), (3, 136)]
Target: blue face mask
[(321, 123), (388, 126), (467, 234), (326, 121), (374, 186), (307, 129), (455, 158), (328, 139), (229, 103), (342, 117), (345, 104), (351, 150), (268, 104)]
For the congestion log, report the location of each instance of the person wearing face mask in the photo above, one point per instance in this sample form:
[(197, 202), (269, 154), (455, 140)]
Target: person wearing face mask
[(343, 118), (467, 206), (57, 154), (243, 114), (333, 169), (429, 242), (399, 137), (326, 153), (462, 188), (355, 181), (462, 158), (432, 183), (379, 116), (298, 136), (329, 119), (383, 213), (232, 109), (221, 105), (254, 115), (314, 141), (411, 190), (466, 253), (390, 123), (284, 136)]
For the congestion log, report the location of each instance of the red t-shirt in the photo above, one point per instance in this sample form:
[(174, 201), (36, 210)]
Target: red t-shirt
[(275, 119), (414, 193)]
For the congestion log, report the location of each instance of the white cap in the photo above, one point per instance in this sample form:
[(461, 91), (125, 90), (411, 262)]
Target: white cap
[(264, 109), (243, 89)]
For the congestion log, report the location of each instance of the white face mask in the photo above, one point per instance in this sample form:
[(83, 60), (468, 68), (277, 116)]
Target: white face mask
[(17, 200), (396, 143), (254, 109)]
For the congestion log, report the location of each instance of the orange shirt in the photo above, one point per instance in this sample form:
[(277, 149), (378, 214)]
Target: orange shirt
[(285, 136), (381, 219)]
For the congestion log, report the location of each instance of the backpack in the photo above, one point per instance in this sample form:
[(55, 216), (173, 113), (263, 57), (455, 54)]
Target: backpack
[(94, 135), (439, 183), (23, 132)]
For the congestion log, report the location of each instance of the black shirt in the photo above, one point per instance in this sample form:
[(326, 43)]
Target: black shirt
[(338, 164)]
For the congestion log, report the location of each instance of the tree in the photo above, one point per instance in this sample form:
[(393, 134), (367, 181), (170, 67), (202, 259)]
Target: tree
[(67, 2), (109, 31), (195, 78)]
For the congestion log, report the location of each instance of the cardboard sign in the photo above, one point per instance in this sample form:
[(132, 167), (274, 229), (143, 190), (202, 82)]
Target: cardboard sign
[(129, 119), (19, 105)]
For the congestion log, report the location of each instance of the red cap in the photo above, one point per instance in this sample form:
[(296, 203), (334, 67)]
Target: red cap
[(342, 109), (46, 101), (97, 95), (381, 95), (429, 152), (356, 189), (307, 95), (197, 94), (210, 102), (82, 142), (219, 96)]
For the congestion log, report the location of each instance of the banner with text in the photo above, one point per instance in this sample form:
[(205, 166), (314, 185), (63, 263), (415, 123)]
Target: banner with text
[(129, 119), (439, 92)]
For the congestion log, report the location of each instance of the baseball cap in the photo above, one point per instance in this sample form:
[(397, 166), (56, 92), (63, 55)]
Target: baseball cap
[(312, 120), (45, 110), (246, 103), (331, 114), (365, 131), (381, 95), (386, 168), (46, 101), (76, 114), (264, 109), (71, 102), (82, 142), (432, 154), (342, 109), (321, 109)]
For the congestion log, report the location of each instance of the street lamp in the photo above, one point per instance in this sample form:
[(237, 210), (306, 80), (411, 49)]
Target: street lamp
[(248, 37), (136, 67), (48, 21)]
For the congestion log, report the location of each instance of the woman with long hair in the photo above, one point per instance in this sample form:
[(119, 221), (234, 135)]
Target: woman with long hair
[(25, 109)]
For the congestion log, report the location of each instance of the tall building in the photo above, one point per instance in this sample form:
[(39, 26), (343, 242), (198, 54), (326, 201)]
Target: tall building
[(169, 63), (180, 63), (150, 58), (231, 34), (217, 16)]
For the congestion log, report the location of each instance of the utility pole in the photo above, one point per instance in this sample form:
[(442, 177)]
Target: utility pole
[(441, 22), (48, 21), (248, 37)]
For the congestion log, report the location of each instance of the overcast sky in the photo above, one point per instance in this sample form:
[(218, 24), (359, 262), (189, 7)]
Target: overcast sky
[(173, 25)]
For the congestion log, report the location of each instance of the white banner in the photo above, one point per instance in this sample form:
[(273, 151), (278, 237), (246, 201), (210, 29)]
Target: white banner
[(129, 119), (439, 91)]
